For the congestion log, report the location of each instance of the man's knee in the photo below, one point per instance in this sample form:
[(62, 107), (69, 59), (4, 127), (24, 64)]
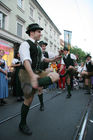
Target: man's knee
[(54, 76), (28, 101), (70, 67), (40, 90), (68, 82), (28, 91), (86, 81)]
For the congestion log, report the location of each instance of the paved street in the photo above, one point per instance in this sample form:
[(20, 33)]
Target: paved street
[(59, 121)]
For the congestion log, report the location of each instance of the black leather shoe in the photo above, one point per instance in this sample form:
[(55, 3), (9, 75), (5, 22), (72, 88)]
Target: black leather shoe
[(68, 96), (22, 99), (18, 99), (25, 130), (41, 107), (3, 102)]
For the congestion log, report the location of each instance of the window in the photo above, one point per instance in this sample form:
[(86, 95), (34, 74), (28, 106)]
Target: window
[(20, 26), (45, 25), (2, 20), (31, 11), (39, 20), (20, 3), (55, 48), (54, 36), (51, 32), (54, 33), (19, 29), (46, 39), (57, 36), (51, 46)]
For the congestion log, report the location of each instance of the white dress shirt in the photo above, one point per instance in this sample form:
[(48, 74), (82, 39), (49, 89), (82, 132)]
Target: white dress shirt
[(15, 60), (72, 56), (80, 69), (25, 53)]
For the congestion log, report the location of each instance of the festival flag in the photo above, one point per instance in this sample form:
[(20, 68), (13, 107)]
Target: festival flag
[(67, 39)]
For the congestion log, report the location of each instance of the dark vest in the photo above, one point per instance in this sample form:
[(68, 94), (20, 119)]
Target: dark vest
[(89, 67), (35, 54), (44, 65), (68, 61)]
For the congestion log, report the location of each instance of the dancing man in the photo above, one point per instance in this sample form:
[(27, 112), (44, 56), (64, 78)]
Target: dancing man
[(31, 57)]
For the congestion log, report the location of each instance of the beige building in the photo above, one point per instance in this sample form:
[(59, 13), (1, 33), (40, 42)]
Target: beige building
[(16, 15)]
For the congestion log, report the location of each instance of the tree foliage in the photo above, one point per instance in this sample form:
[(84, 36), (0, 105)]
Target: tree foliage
[(79, 52)]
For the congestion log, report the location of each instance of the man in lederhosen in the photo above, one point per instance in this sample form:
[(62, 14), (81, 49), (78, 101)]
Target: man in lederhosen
[(88, 72), (43, 45), (31, 56), (68, 60), (43, 66)]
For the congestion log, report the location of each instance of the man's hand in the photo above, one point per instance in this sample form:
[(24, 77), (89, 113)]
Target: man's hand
[(34, 80), (33, 77), (84, 73), (57, 58)]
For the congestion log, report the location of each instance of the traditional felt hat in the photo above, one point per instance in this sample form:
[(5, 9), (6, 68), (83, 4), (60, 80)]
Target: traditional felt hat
[(42, 43), (45, 43), (33, 27), (88, 55), (65, 49)]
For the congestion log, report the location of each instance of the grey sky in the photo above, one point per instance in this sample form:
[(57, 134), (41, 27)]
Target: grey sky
[(74, 15)]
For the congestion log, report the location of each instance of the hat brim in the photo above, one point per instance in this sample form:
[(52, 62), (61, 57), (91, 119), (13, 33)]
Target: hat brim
[(65, 49), (27, 32), (45, 44), (60, 50), (36, 28), (88, 56), (42, 43)]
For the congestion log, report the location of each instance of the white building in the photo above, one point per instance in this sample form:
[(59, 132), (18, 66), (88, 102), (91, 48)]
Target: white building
[(16, 15)]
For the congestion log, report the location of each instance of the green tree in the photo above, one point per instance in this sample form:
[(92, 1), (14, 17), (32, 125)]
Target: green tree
[(79, 52)]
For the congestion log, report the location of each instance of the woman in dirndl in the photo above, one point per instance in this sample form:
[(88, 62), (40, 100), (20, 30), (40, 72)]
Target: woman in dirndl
[(3, 79), (17, 65)]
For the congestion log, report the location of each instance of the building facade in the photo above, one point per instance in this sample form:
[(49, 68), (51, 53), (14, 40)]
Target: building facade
[(16, 15), (61, 44)]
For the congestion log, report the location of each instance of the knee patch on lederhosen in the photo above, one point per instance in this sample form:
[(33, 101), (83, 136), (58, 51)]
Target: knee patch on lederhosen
[(26, 84), (28, 90)]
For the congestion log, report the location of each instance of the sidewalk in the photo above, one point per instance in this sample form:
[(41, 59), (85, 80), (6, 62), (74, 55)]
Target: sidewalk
[(11, 98)]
